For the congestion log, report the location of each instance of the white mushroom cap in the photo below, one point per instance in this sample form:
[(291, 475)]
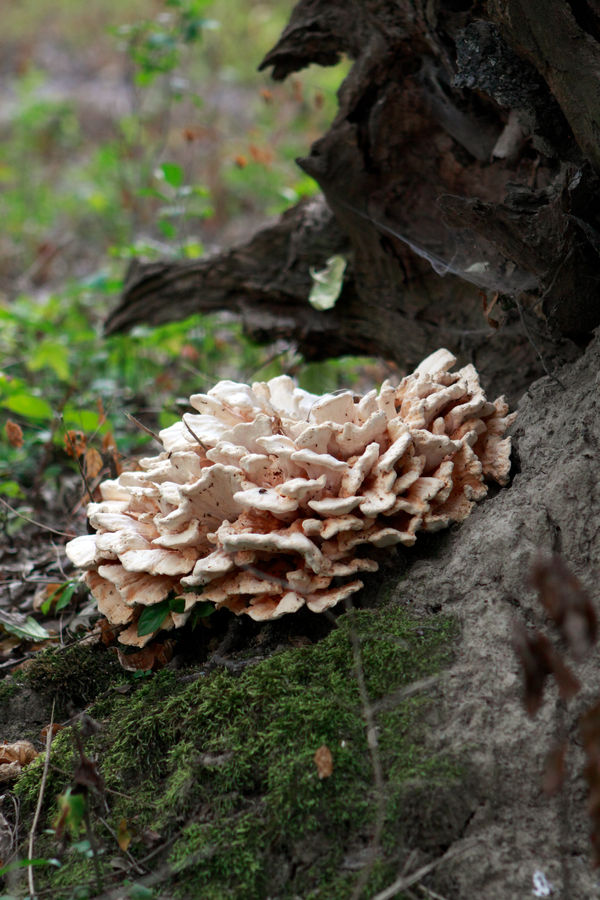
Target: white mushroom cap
[(261, 498)]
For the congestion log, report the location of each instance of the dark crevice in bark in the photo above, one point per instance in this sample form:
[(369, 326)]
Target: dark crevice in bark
[(586, 17)]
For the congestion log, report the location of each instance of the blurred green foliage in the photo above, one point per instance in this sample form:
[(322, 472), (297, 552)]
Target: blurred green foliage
[(196, 143)]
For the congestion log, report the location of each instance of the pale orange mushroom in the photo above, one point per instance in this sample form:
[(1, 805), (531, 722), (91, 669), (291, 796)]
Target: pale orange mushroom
[(262, 497)]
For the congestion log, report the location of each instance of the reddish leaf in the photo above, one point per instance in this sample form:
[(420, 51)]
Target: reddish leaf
[(55, 729), (323, 761), (75, 443), (539, 659), (87, 774), (14, 433), (566, 602), (153, 656)]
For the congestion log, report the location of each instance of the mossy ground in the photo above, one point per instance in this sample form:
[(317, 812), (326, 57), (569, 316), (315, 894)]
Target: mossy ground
[(221, 766)]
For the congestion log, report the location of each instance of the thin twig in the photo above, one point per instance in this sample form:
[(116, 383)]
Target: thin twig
[(68, 534), (38, 808), (427, 892), (134, 863), (404, 882), (373, 744), (390, 701), (92, 841), (144, 428), (193, 434)]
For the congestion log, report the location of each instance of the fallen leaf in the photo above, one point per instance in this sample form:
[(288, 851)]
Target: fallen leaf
[(123, 835), (14, 758), (153, 656), (14, 433), (566, 602), (93, 462), (323, 761), (55, 729)]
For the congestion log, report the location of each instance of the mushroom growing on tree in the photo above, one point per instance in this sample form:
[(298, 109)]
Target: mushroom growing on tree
[(269, 498)]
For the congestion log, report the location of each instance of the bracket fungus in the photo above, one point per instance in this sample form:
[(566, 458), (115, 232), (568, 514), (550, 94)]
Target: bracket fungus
[(261, 500)]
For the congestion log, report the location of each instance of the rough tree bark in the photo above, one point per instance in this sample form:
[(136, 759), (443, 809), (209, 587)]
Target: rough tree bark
[(467, 144)]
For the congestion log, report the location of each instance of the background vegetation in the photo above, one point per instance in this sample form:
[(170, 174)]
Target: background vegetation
[(132, 128)]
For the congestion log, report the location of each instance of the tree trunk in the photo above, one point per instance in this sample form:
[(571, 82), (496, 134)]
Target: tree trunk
[(461, 173)]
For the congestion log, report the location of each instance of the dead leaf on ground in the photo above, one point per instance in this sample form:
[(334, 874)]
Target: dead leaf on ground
[(151, 657), (14, 758), (55, 729), (323, 761)]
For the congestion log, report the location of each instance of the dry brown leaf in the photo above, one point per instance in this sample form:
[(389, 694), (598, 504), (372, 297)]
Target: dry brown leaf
[(539, 659), (14, 433), (93, 462), (14, 757), (151, 657), (75, 443), (566, 602), (323, 761), (55, 729)]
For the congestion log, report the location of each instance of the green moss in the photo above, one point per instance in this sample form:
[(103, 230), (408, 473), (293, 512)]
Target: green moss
[(74, 676), (224, 765)]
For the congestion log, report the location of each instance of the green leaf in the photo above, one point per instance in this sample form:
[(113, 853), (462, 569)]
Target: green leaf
[(172, 173), (202, 611), (152, 617), (65, 597), (49, 354), (140, 892), (327, 283), (25, 863), (167, 229), (71, 810), (11, 489), (86, 420), (29, 406), (177, 604), (62, 595), (30, 630)]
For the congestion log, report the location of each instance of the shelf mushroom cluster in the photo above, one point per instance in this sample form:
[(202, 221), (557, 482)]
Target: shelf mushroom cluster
[(270, 497)]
